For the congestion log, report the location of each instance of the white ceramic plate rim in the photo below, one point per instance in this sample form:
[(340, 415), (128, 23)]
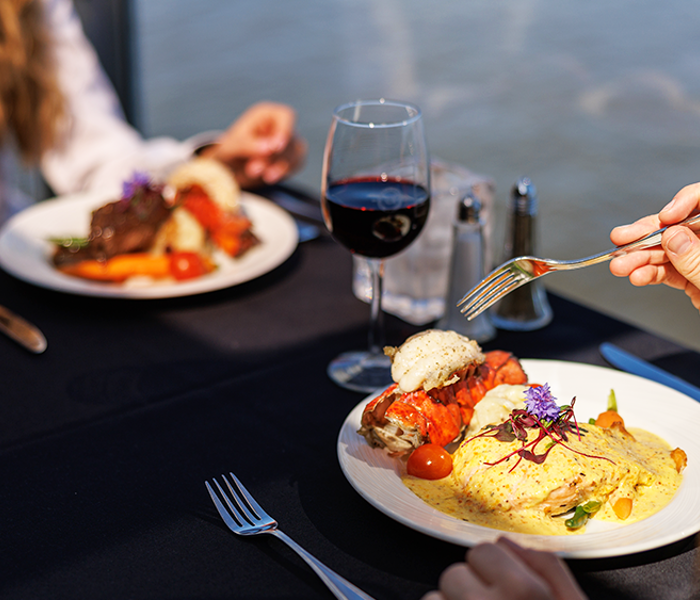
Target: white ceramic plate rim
[(643, 403), (25, 250)]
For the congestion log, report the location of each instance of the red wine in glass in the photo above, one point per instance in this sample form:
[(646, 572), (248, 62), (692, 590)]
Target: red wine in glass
[(376, 217)]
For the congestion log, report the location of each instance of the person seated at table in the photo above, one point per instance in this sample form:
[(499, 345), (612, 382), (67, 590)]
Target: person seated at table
[(505, 571), (58, 109), (677, 263)]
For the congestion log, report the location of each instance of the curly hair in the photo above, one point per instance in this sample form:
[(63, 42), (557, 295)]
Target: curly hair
[(31, 103)]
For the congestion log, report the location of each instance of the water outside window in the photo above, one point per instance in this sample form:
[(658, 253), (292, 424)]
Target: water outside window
[(597, 102)]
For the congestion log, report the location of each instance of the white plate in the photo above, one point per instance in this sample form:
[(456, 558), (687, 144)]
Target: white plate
[(643, 403), (25, 250)]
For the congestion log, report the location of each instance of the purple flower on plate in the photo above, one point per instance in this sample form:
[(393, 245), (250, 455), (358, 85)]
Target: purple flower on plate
[(137, 181), (540, 403)]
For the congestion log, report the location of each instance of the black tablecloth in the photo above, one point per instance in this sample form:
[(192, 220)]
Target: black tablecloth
[(107, 438)]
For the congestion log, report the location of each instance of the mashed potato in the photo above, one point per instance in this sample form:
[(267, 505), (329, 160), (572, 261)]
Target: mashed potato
[(213, 177), (496, 405)]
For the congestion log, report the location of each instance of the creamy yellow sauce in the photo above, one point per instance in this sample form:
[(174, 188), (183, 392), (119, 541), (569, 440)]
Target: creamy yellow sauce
[(525, 497)]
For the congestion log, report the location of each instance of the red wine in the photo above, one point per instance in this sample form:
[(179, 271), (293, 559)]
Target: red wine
[(376, 218)]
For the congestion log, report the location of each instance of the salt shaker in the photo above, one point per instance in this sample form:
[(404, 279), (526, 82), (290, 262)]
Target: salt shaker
[(466, 270), (525, 308)]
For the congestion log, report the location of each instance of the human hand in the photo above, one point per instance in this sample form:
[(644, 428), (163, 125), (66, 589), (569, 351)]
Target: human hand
[(677, 262), (261, 146), (506, 571)]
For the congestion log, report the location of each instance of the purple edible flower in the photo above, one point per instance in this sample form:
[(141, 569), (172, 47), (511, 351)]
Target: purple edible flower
[(541, 403), (138, 180)]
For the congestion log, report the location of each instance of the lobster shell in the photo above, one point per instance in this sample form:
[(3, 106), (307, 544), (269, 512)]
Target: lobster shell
[(400, 422)]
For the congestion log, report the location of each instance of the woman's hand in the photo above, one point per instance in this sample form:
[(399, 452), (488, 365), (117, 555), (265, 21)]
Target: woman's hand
[(261, 146), (677, 262), (506, 571)]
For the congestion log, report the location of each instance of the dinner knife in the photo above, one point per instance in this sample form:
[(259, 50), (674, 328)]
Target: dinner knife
[(297, 207), (308, 217), (22, 331), (637, 366)]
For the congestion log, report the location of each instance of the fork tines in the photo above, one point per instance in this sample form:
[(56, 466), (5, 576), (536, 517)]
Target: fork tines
[(241, 505), (484, 290), (488, 292)]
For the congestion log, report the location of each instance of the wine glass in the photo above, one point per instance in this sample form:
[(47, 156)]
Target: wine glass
[(375, 194)]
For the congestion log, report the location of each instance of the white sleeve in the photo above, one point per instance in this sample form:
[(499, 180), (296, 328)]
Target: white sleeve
[(100, 149)]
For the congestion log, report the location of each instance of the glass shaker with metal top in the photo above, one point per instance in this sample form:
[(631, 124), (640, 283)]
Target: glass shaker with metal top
[(526, 308), (466, 270)]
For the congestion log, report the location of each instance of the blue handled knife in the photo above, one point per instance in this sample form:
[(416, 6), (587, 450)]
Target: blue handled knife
[(633, 364)]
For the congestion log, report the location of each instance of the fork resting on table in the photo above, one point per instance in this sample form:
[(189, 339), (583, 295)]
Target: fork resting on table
[(244, 516), (521, 270)]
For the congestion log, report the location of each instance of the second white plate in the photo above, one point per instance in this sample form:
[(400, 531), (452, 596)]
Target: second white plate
[(25, 250)]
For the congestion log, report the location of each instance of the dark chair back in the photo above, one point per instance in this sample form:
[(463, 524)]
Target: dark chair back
[(109, 25)]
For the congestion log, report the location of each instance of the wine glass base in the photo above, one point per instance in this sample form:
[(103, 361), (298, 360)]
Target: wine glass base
[(361, 371)]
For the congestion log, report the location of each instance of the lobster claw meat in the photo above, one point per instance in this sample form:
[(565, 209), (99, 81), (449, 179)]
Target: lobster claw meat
[(400, 422)]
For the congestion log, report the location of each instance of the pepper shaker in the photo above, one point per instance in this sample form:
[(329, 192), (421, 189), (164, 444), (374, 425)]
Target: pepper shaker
[(525, 308), (466, 270)]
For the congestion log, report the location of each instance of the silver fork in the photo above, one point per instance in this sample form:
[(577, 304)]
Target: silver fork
[(521, 270), (244, 516)]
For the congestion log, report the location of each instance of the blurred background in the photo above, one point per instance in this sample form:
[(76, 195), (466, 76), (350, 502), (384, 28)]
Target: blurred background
[(597, 102)]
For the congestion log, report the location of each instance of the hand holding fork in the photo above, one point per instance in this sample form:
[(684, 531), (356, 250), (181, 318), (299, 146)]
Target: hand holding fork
[(521, 270)]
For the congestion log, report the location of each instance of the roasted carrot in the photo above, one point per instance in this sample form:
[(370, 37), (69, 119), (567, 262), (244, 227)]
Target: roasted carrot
[(622, 507), (610, 416), (607, 418), (680, 458), (121, 267), (180, 265), (228, 235), (225, 229)]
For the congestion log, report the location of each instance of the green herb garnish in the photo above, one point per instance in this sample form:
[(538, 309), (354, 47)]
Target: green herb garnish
[(582, 513), (70, 242)]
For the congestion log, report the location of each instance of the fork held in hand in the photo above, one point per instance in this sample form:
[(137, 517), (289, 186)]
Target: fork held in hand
[(244, 516), (518, 271)]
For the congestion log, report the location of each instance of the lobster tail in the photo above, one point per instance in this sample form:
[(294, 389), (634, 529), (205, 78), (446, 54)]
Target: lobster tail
[(400, 422)]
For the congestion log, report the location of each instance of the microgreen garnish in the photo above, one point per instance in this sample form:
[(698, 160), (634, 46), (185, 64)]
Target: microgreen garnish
[(553, 423)]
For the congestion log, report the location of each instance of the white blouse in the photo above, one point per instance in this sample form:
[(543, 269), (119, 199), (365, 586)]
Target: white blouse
[(100, 149)]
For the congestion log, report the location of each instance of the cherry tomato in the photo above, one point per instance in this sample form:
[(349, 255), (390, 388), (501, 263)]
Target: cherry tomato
[(187, 265), (429, 461)]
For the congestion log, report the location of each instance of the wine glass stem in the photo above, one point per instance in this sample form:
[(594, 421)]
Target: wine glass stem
[(376, 327)]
